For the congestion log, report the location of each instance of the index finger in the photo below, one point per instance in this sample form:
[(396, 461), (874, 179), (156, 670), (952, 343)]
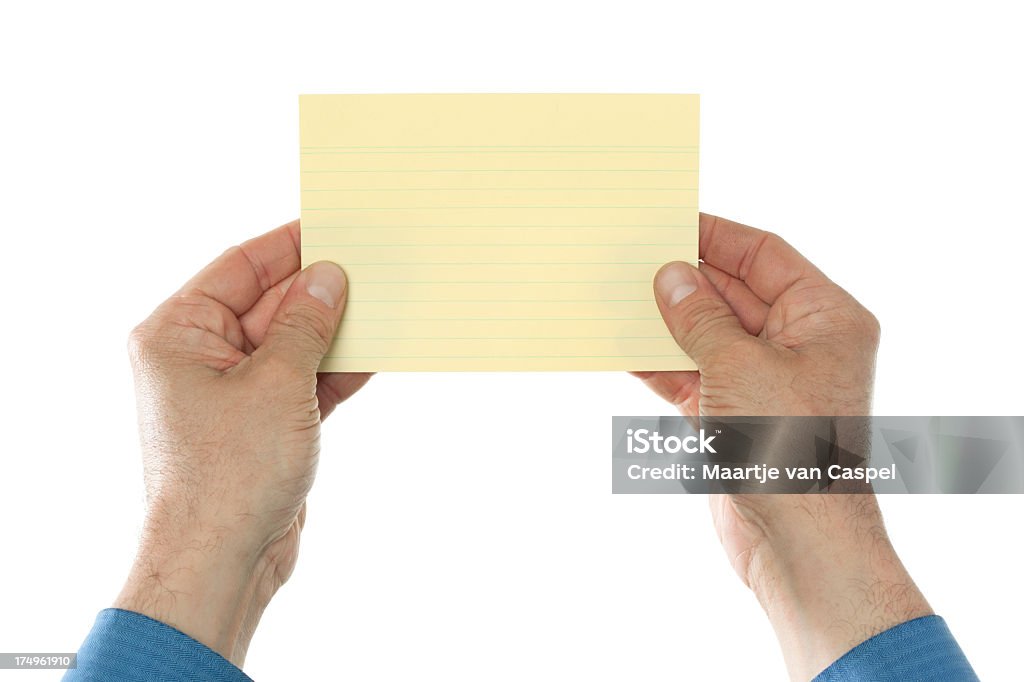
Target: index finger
[(243, 273), (764, 261)]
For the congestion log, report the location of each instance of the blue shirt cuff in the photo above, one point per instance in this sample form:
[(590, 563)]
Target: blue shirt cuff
[(125, 646), (922, 650)]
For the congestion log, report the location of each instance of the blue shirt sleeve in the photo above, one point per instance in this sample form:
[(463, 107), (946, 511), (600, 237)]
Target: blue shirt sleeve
[(920, 650), (124, 646)]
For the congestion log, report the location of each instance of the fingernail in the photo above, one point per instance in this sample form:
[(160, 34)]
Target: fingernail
[(674, 282), (325, 282)]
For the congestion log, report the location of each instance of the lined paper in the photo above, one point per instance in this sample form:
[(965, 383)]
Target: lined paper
[(500, 232)]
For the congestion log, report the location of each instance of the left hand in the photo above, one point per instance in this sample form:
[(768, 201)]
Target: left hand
[(230, 404)]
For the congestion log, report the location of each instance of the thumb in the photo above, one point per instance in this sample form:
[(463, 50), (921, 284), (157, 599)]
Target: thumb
[(698, 318), (303, 327)]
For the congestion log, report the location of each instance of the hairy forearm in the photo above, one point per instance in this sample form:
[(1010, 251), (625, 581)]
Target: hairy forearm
[(203, 584), (831, 581)]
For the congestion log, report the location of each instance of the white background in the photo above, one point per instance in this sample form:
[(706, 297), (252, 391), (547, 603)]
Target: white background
[(884, 142)]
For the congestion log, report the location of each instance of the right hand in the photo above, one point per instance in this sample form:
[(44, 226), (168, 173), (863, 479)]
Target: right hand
[(772, 335)]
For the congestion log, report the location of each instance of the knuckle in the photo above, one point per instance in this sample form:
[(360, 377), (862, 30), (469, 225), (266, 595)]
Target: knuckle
[(872, 328), (735, 355), (772, 241), (306, 325), (862, 325), (283, 374), (702, 316), (708, 329), (142, 343), (137, 339)]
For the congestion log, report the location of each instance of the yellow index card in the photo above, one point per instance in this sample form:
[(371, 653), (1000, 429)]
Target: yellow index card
[(500, 232)]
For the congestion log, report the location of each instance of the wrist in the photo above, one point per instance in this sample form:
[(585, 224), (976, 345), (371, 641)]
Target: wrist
[(204, 583), (831, 581)]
